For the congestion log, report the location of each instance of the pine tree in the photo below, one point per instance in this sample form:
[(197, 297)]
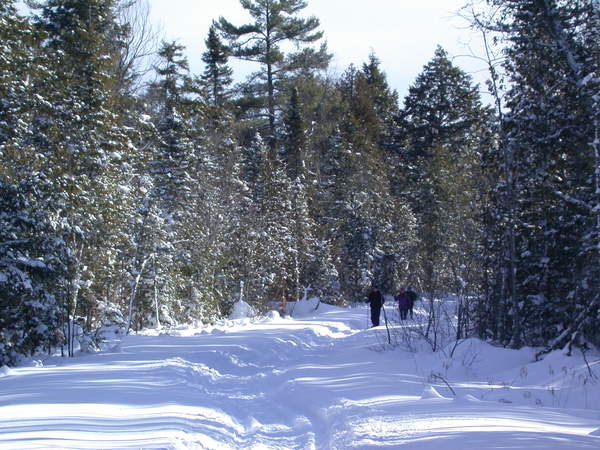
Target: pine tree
[(20, 65), (443, 130), (217, 73), (275, 22), (34, 255), (175, 155), (83, 144), (271, 231), (229, 194), (367, 226), (180, 179), (248, 234), (14, 60), (33, 268), (551, 122), (384, 100), (309, 273), (294, 147)]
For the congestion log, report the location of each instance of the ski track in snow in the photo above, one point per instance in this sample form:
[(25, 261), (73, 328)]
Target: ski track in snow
[(311, 383)]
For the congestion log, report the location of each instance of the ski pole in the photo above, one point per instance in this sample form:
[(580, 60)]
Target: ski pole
[(386, 325)]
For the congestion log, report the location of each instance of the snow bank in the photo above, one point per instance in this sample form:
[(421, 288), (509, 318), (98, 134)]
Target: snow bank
[(476, 359), (273, 315), (303, 307), (242, 310)]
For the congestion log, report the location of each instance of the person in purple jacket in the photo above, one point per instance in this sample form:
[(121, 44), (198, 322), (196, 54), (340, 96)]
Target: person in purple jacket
[(403, 303)]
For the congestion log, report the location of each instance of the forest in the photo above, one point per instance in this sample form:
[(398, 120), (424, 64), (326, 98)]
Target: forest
[(134, 193)]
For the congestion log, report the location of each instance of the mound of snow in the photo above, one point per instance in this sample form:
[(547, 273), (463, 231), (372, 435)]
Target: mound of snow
[(304, 307), (4, 371), (430, 392), (273, 315), (269, 317), (242, 310), (473, 358)]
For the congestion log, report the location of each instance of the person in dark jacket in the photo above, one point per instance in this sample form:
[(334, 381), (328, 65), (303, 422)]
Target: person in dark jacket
[(403, 303), (375, 300)]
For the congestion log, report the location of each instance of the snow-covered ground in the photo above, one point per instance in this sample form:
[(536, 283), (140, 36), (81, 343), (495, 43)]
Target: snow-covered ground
[(320, 380)]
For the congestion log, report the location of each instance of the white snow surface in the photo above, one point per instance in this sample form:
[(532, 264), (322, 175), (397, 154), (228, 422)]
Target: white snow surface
[(242, 310), (320, 380)]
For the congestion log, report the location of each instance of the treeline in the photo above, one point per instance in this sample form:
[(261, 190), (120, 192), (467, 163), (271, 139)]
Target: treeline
[(138, 203)]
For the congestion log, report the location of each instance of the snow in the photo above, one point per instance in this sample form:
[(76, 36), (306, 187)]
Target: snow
[(430, 392), (318, 380), (242, 310)]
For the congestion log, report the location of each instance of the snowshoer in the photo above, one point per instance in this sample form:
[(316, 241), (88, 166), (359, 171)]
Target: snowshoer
[(403, 300), (375, 299)]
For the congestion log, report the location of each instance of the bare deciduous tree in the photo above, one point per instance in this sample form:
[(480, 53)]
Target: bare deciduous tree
[(141, 40)]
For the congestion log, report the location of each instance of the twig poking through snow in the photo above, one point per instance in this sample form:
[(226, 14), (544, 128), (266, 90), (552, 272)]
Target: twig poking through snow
[(437, 376)]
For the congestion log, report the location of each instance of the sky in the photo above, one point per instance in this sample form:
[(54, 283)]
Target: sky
[(403, 34), (321, 379)]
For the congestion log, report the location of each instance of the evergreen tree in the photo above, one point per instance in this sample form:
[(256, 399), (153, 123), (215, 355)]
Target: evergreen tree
[(294, 147), (34, 257), (275, 22), (16, 61), (248, 234), (367, 226), (217, 73), (548, 200), (84, 146), (33, 267), (443, 131), (175, 154), (269, 225), (384, 101), (312, 269), (229, 194), (179, 180), (151, 253)]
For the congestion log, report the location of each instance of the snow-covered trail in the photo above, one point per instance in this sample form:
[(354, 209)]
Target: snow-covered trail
[(317, 382)]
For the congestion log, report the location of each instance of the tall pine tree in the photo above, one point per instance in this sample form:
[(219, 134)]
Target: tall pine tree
[(275, 22)]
